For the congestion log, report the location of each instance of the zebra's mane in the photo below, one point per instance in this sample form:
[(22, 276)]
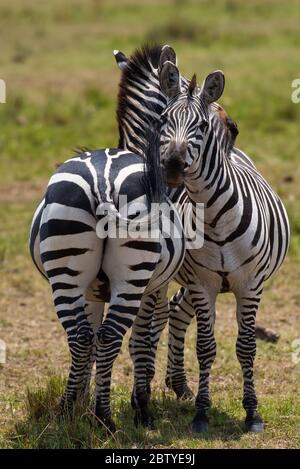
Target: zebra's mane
[(141, 66), (227, 125)]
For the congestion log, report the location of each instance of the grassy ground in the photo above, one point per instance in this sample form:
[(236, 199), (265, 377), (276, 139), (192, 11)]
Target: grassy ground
[(61, 92)]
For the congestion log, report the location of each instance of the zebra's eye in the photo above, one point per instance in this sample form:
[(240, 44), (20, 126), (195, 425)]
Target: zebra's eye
[(203, 126)]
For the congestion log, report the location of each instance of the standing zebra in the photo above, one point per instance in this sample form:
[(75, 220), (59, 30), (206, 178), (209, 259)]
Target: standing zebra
[(246, 229), (141, 101), (68, 247)]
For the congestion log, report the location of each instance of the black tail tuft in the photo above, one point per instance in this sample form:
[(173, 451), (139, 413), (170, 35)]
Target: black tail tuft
[(81, 149), (154, 182)]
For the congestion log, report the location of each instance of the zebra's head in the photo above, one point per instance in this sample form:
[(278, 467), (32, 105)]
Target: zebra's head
[(185, 122)]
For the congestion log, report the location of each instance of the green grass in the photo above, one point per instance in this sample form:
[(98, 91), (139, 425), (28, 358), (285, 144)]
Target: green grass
[(62, 82), (43, 428)]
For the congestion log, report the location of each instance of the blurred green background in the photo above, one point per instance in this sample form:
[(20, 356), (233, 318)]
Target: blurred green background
[(62, 84), (56, 58)]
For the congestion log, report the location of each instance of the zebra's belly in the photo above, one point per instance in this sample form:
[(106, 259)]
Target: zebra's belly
[(218, 269)]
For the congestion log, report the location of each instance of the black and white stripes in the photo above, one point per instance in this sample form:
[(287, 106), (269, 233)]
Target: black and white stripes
[(246, 230), (85, 270)]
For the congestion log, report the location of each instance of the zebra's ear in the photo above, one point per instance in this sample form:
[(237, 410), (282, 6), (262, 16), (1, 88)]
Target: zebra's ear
[(121, 59), (213, 86), (167, 55), (169, 79)]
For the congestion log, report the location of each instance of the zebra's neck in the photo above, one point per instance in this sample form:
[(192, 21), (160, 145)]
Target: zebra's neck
[(210, 178)]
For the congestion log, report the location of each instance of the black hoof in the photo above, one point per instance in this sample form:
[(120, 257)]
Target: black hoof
[(144, 419), (107, 424), (182, 391), (67, 407), (200, 422), (254, 423), (254, 427), (185, 394), (200, 426)]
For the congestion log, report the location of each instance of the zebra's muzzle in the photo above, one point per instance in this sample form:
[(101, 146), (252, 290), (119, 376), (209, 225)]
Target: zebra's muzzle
[(173, 163), (173, 168)]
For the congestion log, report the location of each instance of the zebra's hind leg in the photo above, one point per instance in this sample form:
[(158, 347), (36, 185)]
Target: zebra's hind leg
[(70, 307), (140, 350), (206, 352), (80, 359), (247, 305), (180, 316), (94, 313), (119, 319)]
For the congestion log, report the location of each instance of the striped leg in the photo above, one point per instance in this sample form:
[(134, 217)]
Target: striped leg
[(94, 312), (159, 320), (247, 304), (70, 307), (206, 353), (140, 351), (119, 319), (181, 314), (128, 282), (70, 270)]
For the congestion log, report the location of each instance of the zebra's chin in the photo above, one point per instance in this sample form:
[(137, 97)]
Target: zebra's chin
[(173, 184)]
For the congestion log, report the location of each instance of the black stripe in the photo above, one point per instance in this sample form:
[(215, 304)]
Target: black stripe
[(69, 194), (143, 282), (150, 246), (66, 300), (62, 271), (144, 266), (52, 255), (62, 286), (56, 227)]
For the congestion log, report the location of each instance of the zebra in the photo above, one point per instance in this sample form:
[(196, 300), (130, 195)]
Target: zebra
[(246, 228), (141, 101), (85, 269)]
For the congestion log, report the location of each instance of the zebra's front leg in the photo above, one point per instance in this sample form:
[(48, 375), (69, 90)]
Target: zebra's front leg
[(181, 312), (140, 351), (247, 305), (159, 320), (204, 306)]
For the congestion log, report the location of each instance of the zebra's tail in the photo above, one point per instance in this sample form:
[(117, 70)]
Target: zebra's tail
[(154, 183)]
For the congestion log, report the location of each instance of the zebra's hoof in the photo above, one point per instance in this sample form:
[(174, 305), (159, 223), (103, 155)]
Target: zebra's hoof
[(146, 420), (186, 394), (66, 408), (200, 422), (107, 424), (148, 390), (200, 426), (254, 423)]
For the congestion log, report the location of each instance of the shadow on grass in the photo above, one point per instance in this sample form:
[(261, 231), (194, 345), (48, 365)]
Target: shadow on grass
[(43, 428)]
